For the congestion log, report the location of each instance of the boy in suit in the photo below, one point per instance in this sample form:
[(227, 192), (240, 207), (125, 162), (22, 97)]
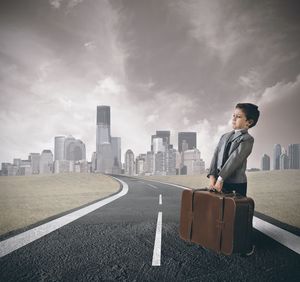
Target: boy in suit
[(228, 165)]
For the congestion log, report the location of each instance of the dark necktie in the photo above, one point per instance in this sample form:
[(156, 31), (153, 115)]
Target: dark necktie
[(227, 149)]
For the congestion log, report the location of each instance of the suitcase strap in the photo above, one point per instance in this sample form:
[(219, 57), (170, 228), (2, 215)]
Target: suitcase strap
[(220, 222), (192, 213)]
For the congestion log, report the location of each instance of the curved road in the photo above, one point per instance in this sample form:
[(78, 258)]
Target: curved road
[(121, 241)]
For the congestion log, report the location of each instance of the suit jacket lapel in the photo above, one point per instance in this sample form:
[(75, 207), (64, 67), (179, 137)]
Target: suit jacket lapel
[(237, 139)]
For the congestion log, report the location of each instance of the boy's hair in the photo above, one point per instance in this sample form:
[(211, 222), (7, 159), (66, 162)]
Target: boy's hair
[(251, 112)]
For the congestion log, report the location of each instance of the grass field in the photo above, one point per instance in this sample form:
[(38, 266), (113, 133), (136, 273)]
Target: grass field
[(276, 193), (25, 200)]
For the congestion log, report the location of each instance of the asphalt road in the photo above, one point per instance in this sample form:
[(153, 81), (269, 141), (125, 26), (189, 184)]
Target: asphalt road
[(116, 242)]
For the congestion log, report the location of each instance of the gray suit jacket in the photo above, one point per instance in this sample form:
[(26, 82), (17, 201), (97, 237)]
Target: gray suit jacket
[(233, 171)]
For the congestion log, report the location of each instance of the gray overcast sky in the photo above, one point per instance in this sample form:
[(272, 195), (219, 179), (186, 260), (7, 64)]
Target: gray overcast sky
[(160, 65)]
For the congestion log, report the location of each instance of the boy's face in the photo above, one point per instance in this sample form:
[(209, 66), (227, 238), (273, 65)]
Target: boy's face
[(239, 120)]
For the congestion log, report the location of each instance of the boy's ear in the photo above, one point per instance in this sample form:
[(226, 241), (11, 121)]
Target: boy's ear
[(250, 121)]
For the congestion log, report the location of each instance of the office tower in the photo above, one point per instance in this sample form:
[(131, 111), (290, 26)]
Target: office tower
[(150, 163), (193, 162), (141, 164), (34, 159), (17, 162), (103, 125), (46, 162), (158, 145), (129, 163), (25, 168), (284, 160), (171, 161), (12, 170), (160, 163), (294, 155), (63, 166), (265, 162), (116, 151), (4, 168), (74, 149), (276, 156), (93, 160), (104, 155), (59, 148), (164, 134), (189, 137)]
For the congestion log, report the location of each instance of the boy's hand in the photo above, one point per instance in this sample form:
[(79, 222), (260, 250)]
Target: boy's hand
[(212, 181), (219, 186)]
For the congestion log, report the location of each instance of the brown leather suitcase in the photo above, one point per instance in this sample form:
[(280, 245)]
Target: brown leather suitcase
[(217, 221)]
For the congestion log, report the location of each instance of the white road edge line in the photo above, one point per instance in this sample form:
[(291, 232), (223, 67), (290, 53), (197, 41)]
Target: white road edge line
[(278, 234), (151, 185), (9, 245), (282, 236), (160, 199), (156, 260)]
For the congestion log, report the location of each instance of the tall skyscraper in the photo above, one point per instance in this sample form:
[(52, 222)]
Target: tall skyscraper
[(284, 160), (74, 149), (104, 155), (294, 155), (35, 162), (193, 162), (59, 148), (116, 151), (164, 135), (190, 138), (158, 145), (103, 125), (265, 162), (129, 163), (276, 156), (46, 162)]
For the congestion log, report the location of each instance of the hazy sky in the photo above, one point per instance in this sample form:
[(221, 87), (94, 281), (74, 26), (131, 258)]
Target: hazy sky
[(160, 65)]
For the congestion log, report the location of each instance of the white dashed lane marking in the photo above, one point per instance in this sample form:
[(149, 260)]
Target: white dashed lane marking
[(156, 260)]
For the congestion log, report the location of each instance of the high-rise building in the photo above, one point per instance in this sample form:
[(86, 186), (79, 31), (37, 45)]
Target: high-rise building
[(294, 156), (104, 154), (74, 149), (46, 162), (129, 163), (116, 151), (164, 135), (193, 162), (59, 148), (284, 160), (190, 139), (141, 164), (171, 161), (34, 159), (63, 166), (93, 165), (150, 163), (276, 156), (4, 168), (265, 162), (160, 163), (158, 145)]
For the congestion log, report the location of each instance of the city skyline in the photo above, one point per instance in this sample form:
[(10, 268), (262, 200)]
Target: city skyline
[(178, 66)]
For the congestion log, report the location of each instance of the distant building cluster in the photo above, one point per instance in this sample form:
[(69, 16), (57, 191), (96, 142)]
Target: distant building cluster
[(163, 159), (70, 155), (282, 158)]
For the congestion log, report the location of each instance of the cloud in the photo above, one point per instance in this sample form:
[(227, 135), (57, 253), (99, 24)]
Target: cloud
[(55, 3)]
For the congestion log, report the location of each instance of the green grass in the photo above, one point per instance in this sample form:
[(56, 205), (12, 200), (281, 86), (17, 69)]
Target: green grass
[(25, 200), (276, 193)]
